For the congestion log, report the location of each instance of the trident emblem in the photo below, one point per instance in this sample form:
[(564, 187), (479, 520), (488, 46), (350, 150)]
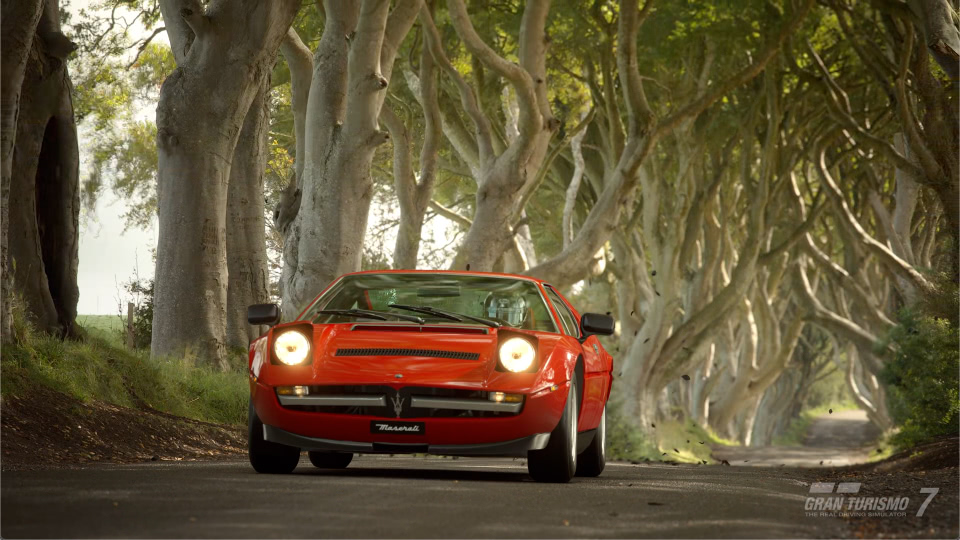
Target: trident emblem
[(397, 404)]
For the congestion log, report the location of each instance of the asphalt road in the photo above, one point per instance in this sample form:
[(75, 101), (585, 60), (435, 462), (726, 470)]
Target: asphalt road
[(832, 440), (407, 497)]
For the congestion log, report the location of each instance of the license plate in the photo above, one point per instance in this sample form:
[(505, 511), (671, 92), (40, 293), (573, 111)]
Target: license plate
[(397, 428)]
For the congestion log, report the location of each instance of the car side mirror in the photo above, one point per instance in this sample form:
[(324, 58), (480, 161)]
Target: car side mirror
[(596, 324), (263, 314)]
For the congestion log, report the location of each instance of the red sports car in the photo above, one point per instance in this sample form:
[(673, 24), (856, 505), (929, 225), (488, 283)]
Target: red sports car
[(453, 363)]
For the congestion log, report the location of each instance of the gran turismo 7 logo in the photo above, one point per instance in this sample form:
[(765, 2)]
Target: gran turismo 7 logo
[(845, 502)]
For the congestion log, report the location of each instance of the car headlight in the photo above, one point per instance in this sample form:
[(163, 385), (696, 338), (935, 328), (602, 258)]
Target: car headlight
[(517, 354), (291, 347)]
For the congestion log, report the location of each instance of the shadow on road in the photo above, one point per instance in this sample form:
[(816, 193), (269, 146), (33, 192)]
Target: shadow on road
[(465, 473)]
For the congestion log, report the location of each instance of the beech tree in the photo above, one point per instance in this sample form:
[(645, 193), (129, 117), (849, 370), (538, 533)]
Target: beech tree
[(200, 116), (414, 187), (248, 279), (40, 189), (337, 98), (899, 44), (755, 207)]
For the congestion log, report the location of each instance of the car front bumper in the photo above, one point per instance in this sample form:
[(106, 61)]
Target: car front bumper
[(511, 435), (514, 448)]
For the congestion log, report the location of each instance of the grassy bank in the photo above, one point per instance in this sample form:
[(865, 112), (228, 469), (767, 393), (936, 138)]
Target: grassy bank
[(97, 367), (670, 440)]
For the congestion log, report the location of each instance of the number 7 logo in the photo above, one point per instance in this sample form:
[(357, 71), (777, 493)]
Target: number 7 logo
[(933, 492)]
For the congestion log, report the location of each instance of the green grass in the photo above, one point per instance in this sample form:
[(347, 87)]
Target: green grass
[(107, 327), (625, 441), (673, 435), (98, 368), (797, 430), (887, 449)]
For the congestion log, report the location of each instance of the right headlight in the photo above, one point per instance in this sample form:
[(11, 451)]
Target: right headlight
[(517, 354), (291, 347)]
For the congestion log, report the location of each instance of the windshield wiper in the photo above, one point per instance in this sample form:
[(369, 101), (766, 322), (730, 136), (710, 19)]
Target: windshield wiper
[(378, 315), (453, 316)]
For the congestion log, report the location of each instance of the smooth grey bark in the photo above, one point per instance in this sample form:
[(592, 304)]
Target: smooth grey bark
[(939, 22), (504, 177), (414, 190), (44, 203), (201, 111), (570, 198), (247, 272), (300, 62), (18, 23), (341, 134)]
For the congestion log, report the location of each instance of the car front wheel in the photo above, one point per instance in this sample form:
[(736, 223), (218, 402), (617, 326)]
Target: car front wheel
[(591, 461), (265, 456), (558, 461)]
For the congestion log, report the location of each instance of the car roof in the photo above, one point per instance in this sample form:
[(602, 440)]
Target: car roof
[(449, 272)]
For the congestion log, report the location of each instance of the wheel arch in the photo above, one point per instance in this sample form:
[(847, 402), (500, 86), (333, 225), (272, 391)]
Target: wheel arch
[(578, 369)]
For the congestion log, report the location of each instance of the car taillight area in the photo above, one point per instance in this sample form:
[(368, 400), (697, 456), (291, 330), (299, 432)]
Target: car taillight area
[(405, 402)]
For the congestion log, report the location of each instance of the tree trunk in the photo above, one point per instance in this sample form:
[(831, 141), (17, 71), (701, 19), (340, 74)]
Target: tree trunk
[(44, 201), (938, 20), (506, 178), (414, 195), (340, 141), (19, 19), (199, 117), (341, 134), (491, 233), (248, 280)]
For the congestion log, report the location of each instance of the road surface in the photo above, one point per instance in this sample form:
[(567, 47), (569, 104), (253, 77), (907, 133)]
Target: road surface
[(832, 440), (407, 497)]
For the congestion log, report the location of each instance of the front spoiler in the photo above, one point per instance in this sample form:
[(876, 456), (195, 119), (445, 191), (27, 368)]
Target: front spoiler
[(514, 448)]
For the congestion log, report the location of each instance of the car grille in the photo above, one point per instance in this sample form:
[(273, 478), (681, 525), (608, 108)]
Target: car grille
[(457, 355), (398, 402)]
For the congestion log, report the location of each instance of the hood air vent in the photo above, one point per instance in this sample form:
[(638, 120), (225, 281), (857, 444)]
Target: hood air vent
[(456, 355), (423, 329)]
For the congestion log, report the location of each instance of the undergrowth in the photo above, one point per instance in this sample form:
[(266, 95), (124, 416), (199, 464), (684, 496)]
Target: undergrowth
[(669, 440), (96, 367)]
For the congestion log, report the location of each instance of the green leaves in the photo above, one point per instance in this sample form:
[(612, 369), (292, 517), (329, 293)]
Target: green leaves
[(922, 378)]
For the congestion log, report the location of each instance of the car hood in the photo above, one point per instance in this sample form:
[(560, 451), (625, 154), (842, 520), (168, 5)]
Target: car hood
[(401, 354), (404, 354)]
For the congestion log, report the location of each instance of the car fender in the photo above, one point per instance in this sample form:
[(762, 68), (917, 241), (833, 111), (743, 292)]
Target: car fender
[(560, 361)]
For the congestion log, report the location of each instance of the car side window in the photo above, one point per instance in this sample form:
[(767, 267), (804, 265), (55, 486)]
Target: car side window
[(569, 322)]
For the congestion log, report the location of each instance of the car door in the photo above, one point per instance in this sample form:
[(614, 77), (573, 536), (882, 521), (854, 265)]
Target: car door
[(595, 376)]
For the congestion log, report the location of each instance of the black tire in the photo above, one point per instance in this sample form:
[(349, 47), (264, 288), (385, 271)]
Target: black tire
[(591, 461), (265, 456), (557, 462), (330, 460)]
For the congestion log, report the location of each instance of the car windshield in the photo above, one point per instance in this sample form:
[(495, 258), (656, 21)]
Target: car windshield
[(512, 302)]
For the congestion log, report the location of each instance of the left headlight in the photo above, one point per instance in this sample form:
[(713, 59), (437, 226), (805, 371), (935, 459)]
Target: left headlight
[(291, 347), (517, 354)]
